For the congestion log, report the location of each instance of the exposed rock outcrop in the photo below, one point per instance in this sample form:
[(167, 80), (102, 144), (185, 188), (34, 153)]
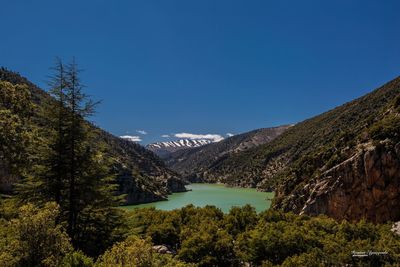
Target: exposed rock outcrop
[(174, 185), (396, 228), (163, 249), (367, 185)]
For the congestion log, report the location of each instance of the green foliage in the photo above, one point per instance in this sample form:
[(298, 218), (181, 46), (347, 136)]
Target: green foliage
[(72, 169), (314, 258), (136, 252), (132, 252), (16, 98), (388, 127), (275, 242), (207, 245), (76, 259), (33, 238), (271, 238), (240, 219), (16, 133)]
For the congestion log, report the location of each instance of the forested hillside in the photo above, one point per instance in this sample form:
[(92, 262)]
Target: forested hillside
[(62, 207), (344, 163), (141, 175), (197, 163)]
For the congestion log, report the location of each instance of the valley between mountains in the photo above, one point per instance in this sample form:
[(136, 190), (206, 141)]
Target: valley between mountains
[(320, 191), (200, 134), (344, 163)]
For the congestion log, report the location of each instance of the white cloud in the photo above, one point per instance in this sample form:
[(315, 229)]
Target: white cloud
[(141, 132), (165, 136), (212, 137), (230, 134), (133, 138)]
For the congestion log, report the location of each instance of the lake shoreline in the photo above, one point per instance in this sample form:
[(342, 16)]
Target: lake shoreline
[(217, 194)]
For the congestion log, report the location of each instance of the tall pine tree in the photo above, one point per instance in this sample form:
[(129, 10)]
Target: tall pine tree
[(73, 170)]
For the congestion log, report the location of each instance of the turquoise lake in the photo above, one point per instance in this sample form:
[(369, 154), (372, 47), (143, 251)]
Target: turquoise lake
[(213, 194)]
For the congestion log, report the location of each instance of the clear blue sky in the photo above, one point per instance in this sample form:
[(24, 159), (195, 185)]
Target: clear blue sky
[(207, 66)]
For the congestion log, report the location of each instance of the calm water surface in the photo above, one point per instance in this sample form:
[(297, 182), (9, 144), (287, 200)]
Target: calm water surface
[(213, 194)]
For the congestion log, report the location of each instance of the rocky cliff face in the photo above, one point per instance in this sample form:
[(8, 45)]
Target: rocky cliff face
[(343, 163), (355, 177), (367, 185)]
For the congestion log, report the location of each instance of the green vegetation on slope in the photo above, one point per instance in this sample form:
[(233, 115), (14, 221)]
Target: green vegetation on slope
[(142, 176), (63, 211), (64, 164), (309, 148), (195, 163), (16, 133)]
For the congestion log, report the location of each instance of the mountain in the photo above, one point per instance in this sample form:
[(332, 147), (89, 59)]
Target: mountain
[(142, 175), (196, 163), (344, 163), (164, 149)]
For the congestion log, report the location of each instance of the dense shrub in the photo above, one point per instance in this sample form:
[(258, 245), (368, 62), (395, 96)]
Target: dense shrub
[(386, 128), (76, 259), (271, 238), (33, 238), (135, 252)]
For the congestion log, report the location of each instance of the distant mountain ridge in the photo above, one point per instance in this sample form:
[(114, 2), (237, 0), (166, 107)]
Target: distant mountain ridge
[(196, 163), (164, 149)]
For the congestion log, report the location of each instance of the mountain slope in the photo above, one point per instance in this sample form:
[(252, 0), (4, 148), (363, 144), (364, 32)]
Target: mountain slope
[(195, 163), (142, 176), (164, 149), (344, 163)]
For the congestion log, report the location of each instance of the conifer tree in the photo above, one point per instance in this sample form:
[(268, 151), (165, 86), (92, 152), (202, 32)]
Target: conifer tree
[(73, 170), (57, 165)]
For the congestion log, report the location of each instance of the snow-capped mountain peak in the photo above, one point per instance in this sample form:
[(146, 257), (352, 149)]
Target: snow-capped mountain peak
[(183, 143), (163, 148)]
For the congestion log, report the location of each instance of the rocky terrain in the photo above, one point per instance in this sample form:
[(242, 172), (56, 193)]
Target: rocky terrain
[(343, 163), (367, 185), (142, 175)]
